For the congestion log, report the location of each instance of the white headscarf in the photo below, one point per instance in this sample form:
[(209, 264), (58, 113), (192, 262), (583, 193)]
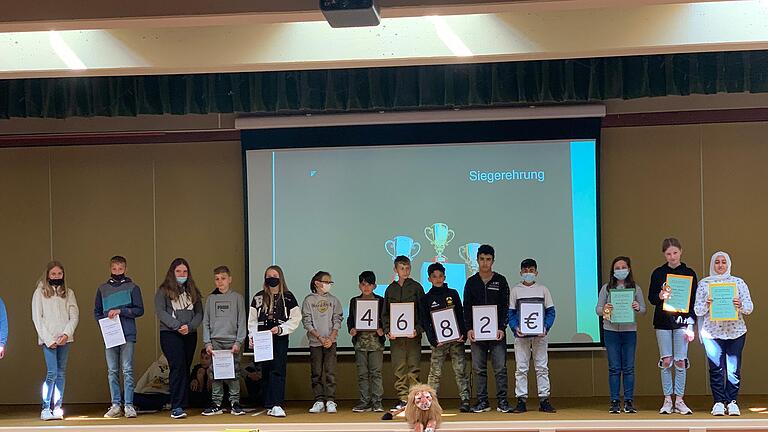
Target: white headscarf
[(713, 276)]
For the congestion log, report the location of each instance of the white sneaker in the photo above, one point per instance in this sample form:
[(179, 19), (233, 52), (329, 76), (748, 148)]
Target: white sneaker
[(58, 413), (330, 406), (682, 408), (114, 412), (130, 411), (46, 415), (318, 407), (718, 409), (733, 409), (667, 407), (276, 411)]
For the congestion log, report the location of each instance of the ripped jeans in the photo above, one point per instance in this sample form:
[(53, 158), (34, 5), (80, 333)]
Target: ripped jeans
[(673, 343)]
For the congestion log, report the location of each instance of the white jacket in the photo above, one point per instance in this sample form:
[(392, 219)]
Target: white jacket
[(54, 316)]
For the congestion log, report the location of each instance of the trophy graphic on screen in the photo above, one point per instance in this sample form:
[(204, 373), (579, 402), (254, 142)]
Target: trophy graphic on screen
[(468, 253), (439, 235), (402, 245)]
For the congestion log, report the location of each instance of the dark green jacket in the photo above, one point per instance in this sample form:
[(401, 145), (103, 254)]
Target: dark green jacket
[(410, 292)]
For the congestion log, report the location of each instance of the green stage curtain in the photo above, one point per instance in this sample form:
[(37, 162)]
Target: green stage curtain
[(395, 88)]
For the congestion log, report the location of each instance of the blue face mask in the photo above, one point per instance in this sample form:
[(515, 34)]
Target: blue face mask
[(621, 274), (528, 277), (181, 280)]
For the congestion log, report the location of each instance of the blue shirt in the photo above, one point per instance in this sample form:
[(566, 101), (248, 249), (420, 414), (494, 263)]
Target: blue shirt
[(3, 324)]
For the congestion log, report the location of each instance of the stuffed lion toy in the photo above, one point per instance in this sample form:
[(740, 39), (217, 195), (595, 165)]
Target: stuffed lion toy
[(423, 412)]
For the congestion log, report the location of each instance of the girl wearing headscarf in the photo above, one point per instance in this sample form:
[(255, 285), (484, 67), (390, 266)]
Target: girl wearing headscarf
[(723, 340)]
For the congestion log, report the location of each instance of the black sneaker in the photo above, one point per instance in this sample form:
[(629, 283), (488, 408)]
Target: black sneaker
[(361, 407), (213, 410), (399, 406), (545, 406), (464, 406), (236, 409), (520, 407), (482, 406), (629, 407), (503, 406), (615, 408)]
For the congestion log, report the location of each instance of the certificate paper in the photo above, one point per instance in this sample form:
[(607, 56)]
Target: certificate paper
[(680, 297), (722, 295), (112, 332), (262, 346), (621, 300), (223, 364)]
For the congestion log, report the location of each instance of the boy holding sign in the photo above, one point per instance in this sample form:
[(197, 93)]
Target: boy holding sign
[(722, 300), (531, 327), (224, 330), (487, 288), (406, 350), (365, 327), (120, 297), (674, 329), (442, 318)]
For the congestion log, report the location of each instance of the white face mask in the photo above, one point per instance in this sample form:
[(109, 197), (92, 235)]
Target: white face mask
[(324, 288)]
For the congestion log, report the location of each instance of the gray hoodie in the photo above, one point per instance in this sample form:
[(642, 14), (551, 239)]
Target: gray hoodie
[(224, 318), (322, 313)]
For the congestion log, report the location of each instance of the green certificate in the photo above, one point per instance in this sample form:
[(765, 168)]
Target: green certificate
[(621, 300), (680, 293), (722, 295)]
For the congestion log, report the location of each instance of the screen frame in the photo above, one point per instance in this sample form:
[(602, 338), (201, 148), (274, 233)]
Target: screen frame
[(426, 133)]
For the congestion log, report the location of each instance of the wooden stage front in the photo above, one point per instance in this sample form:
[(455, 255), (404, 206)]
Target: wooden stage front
[(574, 414)]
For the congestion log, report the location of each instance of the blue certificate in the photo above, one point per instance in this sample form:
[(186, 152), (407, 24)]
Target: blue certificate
[(621, 300), (679, 288), (722, 307)]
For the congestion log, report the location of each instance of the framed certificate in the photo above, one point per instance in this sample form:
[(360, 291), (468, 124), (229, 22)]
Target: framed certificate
[(402, 319), (446, 327), (680, 293), (621, 300), (485, 322), (722, 307), (531, 313), (366, 315)]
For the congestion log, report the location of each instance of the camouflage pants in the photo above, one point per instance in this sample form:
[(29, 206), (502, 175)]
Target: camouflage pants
[(459, 362)]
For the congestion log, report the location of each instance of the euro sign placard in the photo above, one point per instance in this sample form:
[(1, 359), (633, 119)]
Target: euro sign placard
[(531, 318)]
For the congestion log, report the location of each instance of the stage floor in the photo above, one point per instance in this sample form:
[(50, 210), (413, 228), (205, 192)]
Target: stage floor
[(574, 414)]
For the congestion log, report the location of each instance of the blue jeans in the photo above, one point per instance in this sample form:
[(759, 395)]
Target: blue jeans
[(724, 358), (120, 357), (55, 377), (621, 362), (672, 343)]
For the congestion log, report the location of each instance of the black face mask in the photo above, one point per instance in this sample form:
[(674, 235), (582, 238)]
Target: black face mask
[(56, 282), (118, 277), (272, 281)]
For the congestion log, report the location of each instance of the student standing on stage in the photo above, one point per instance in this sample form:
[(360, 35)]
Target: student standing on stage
[(120, 297), (525, 346), (723, 340), (674, 330), (322, 315), (441, 297), (275, 309), (406, 351), (620, 339), (486, 287), (179, 307), (55, 315), (224, 329), (369, 348), (3, 329)]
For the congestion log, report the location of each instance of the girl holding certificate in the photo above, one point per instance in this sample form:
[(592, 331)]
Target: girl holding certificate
[(618, 302), (722, 300), (55, 314), (275, 309), (674, 325)]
